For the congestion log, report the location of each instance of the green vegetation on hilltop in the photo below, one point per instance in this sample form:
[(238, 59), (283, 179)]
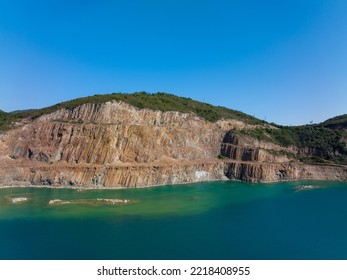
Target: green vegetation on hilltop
[(339, 122), (316, 142), (2, 114), (163, 102), (158, 101), (5, 120)]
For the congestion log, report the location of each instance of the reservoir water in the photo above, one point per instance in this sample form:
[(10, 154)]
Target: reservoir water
[(218, 220)]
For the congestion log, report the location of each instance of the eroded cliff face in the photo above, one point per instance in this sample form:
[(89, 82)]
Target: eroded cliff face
[(275, 172), (116, 133), (112, 145), (98, 176), (249, 149), (256, 161), (116, 145)]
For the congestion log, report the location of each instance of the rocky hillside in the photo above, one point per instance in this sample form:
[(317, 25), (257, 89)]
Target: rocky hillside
[(137, 140)]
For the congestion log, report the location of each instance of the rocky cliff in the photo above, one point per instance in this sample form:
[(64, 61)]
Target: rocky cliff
[(113, 144)]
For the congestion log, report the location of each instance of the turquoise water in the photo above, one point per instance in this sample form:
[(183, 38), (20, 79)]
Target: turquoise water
[(219, 220)]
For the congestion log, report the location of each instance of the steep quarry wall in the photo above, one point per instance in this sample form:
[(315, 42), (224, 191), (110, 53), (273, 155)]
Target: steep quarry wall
[(115, 145), (113, 133), (256, 161), (113, 176), (274, 172), (247, 149)]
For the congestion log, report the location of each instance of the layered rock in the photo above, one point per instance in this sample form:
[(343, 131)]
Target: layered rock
[(274, 172), (244, 148), (116, 145), (116, 133), (98, 176), (258, 161)]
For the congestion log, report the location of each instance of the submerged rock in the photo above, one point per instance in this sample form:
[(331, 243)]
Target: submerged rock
[(307, 187), (18, 199), (91, 202)]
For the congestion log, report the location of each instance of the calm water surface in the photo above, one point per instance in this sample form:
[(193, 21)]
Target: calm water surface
[(219, 220)]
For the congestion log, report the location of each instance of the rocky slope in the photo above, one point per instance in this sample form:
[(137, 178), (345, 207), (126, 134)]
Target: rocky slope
[(114, 144)]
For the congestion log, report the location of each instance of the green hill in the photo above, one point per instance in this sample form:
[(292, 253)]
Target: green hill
[(339, 122), (5, 120), (319, 143), (158, 101)]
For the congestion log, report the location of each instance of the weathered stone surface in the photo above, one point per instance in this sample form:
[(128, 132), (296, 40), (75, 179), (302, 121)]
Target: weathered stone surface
[(116, 145), (113, 133), (273, 172), (116, 176)]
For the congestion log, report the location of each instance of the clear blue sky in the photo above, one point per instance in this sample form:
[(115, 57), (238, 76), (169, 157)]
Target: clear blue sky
[(285, 61)]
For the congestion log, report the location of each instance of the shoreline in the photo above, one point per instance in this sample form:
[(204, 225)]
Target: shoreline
[(110, 188), (87, 188)]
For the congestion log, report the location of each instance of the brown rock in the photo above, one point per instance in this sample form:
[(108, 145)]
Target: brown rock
[(115, 145)]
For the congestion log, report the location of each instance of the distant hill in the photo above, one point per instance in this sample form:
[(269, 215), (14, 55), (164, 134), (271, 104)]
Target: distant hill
[(339, 122)]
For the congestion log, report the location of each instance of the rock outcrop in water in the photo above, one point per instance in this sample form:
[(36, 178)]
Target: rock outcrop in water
[(114, 144)]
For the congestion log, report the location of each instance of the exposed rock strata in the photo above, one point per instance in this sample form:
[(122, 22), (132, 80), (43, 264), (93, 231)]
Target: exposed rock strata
[(116, 133), (99, 176), (284, 171), (116, 145)]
